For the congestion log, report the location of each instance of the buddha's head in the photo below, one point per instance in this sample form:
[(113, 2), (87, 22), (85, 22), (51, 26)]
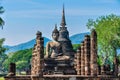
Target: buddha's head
[(55, 34)]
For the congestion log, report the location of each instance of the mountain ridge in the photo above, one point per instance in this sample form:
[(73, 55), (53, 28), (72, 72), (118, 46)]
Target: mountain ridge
[(75, 39), (22, 46)]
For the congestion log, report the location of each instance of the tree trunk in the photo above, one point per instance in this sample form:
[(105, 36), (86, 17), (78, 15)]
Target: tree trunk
[(115, 70)]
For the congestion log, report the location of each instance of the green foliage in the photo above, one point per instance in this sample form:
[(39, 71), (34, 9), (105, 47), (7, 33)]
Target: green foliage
[(99, 61), (76, 46), (108, 31), (2, 55), (1, 20), (21, 65), (1, 78), (2, 59), (18, 57), (2, 49)]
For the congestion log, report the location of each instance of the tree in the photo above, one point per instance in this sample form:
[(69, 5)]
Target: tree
[(1, 20), (76, 46), (108, 31), (21, 66), (22, 55), (2, 55), (2, 49), (2, 59)]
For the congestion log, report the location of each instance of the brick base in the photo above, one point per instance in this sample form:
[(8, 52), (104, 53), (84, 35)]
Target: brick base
[(62, 77), (28, 77)]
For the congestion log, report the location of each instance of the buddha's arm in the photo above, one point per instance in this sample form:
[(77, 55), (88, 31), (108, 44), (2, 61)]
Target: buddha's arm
[(47, 49)]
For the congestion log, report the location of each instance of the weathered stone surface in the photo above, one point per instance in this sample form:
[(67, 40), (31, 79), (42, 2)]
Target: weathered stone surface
[(12, 69), (61, 52), (62, 77), (93, 61), (82, 59), (78, 66), (38, 55), (87, 54), (54, 48), (67, 48), (58, 67)]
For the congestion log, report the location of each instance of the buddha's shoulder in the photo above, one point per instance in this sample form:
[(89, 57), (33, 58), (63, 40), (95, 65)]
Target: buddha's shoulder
[(50, 42)]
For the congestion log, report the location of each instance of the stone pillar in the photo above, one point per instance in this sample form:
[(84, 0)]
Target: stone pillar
[(82, 59), (93, 60), (103, 70), (12, 69), (78, 55), (38, 55), (75, 61), (87, 54), (99, 70)]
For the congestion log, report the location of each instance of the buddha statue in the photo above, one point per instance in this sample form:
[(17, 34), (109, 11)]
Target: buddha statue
[(54, 48)]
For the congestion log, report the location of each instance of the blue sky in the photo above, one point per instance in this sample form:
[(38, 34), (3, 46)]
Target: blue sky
[(23, 18)]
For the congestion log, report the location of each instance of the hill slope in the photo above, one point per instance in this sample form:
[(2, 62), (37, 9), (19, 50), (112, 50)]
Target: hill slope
[(76, 39), (25, 45)]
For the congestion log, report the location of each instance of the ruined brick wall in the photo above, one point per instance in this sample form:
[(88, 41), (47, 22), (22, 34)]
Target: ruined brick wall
[(38, 55), (87, 54), (78, 61), (82, 59), (86, 62), (93, 60)]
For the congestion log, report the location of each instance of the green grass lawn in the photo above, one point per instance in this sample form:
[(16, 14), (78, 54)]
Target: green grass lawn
[(1, 78)]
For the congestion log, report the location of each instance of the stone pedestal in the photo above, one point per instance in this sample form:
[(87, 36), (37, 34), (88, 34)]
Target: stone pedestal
[(58, 67)]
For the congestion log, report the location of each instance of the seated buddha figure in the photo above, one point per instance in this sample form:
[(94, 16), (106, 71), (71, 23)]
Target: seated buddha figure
[(54, 49)]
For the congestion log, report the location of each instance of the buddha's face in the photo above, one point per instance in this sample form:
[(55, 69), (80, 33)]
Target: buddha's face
[(55, 36)]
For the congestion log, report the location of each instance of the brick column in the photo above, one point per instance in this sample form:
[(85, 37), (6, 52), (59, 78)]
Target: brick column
[(87, 54), (78, 55), (38, 55), (93, 60), (82, 59), (75, 61)]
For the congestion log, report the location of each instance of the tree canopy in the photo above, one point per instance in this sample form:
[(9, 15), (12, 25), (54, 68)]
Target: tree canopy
[(2, 55), (19, 57), (108, 31)]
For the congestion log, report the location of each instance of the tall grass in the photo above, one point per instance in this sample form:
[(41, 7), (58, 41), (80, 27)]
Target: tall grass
[(1, 78)]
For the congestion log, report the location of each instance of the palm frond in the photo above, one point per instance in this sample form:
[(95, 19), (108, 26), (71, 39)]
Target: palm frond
[(1, 10), (1, 22)]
